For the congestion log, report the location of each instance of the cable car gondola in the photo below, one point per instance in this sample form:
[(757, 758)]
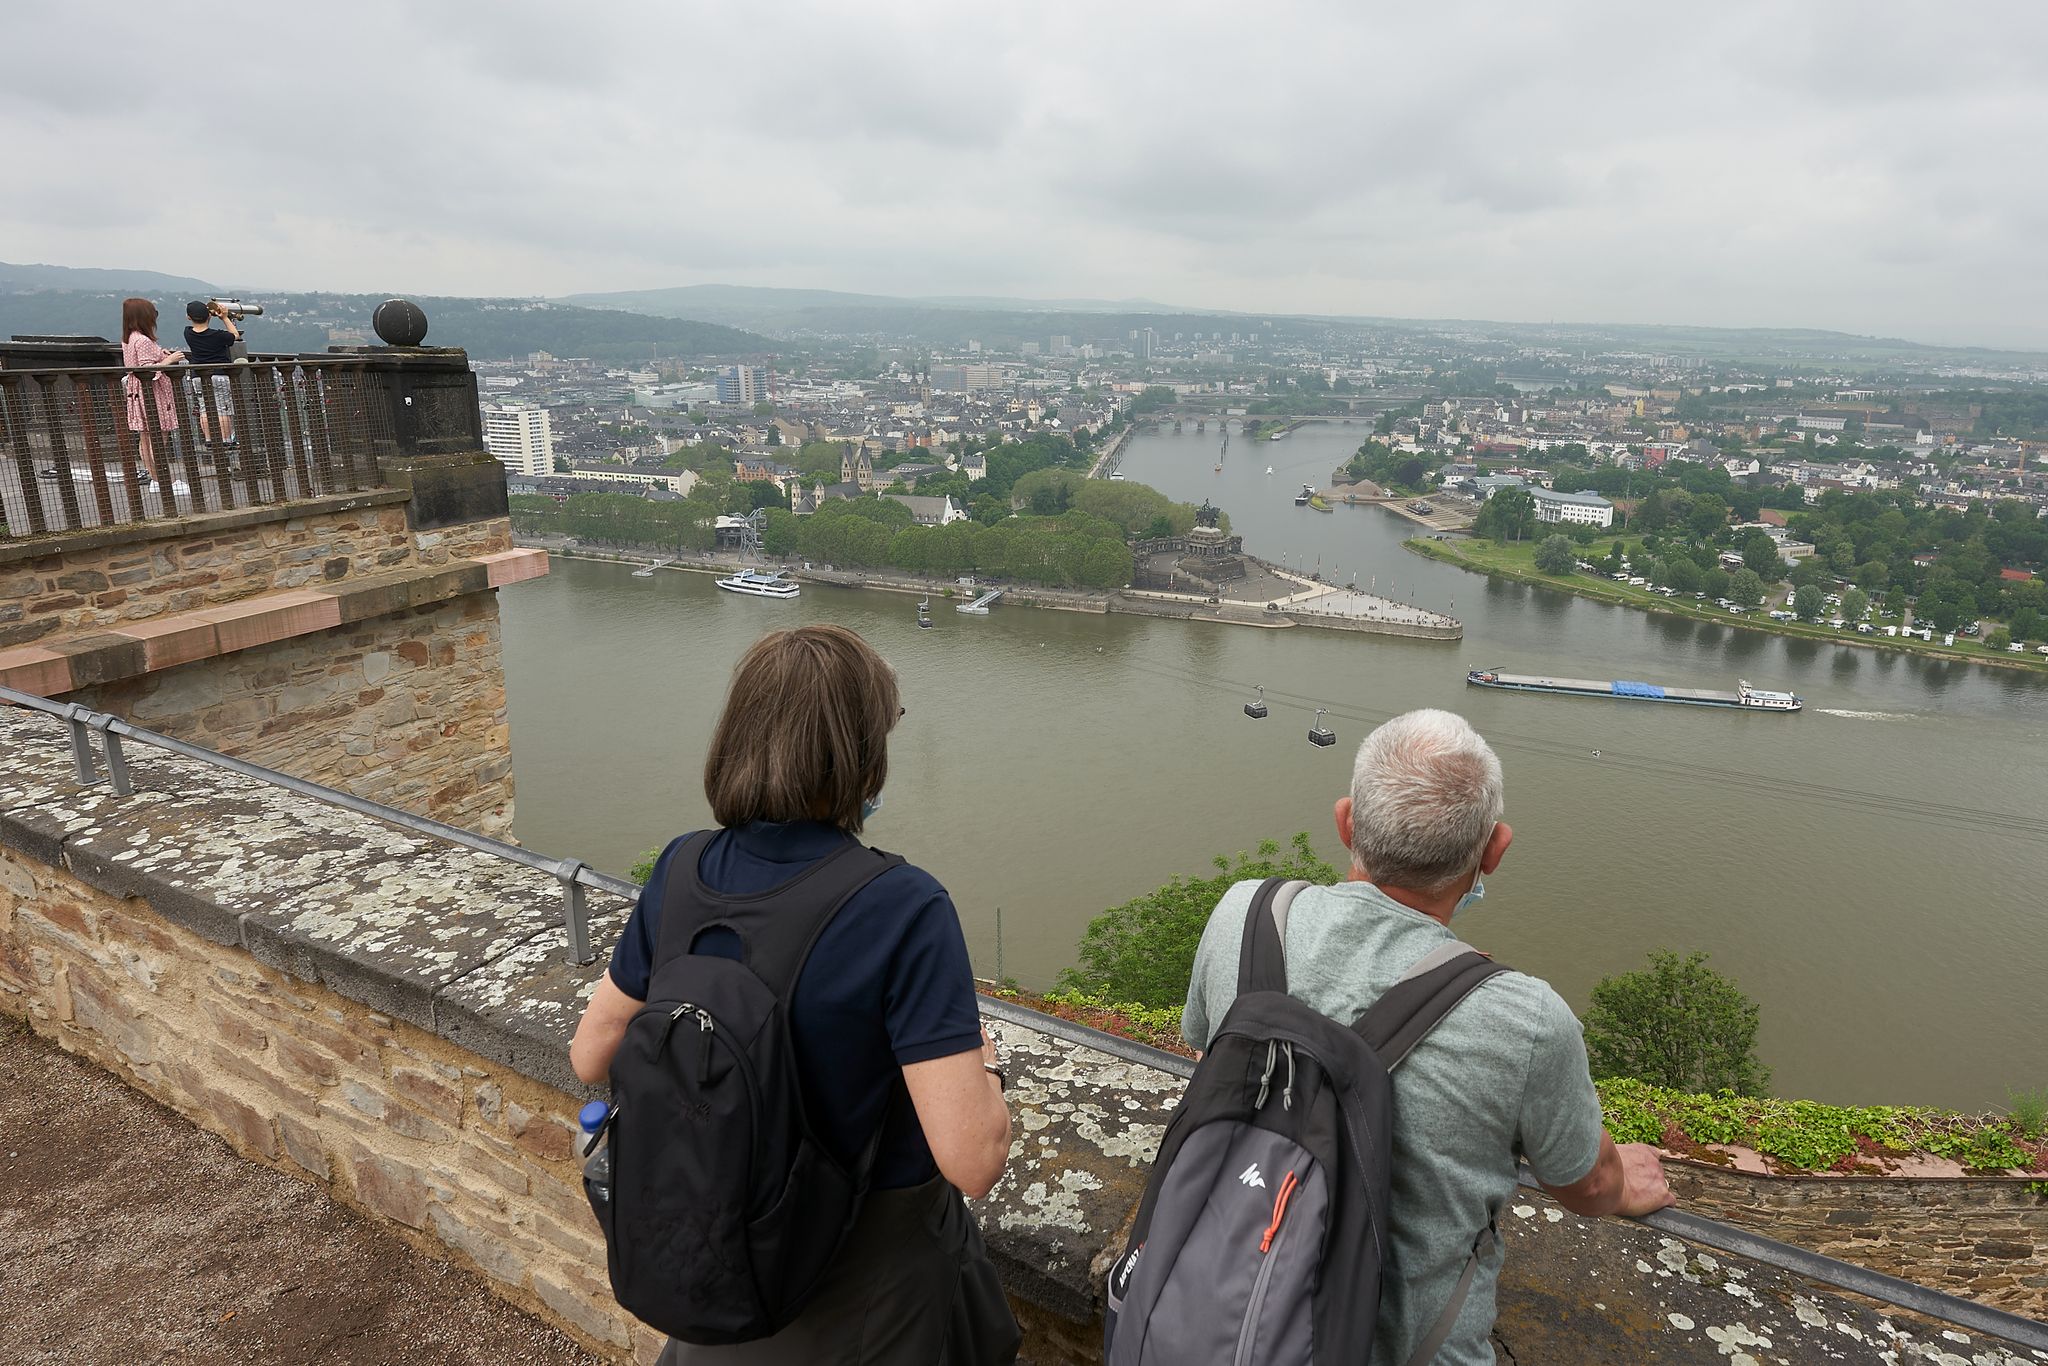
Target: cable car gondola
[(1257, 710), (1318, 733)]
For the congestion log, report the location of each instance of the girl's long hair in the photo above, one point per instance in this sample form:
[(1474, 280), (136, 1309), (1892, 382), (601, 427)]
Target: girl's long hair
[(138, 315)]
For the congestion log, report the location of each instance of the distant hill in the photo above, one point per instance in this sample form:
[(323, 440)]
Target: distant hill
[(946, 321), (743, 304), (149, 283), (489, 329)]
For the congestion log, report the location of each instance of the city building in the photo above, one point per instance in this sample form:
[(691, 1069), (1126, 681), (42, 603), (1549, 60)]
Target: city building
[(935, 511), (965, 379), (745, 384), (521, 436), (1587, 509)]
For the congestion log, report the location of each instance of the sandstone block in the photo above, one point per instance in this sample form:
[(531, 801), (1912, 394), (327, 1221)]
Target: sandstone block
[(390, 1188), (430, 1093), (585, 1303), (303, 1146), (308, 1063), (491, 1254)]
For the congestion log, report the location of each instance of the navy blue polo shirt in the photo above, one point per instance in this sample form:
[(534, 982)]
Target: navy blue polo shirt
[(887, 984)]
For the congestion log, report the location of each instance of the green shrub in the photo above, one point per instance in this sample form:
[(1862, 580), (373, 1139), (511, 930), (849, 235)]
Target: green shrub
[(644, 869), (1676, 1023), (2028, 1111), (1143, 950)]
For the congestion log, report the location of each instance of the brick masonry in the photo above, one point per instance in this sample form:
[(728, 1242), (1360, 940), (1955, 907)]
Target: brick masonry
[(85, 581), (1984, 1238), (406, 709), (470, 1158), (327, 639)]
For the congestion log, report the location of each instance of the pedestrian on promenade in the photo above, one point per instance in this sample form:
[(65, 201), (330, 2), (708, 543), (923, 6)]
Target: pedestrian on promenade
[(1503, 1075), (139, 348), (882, 1013)]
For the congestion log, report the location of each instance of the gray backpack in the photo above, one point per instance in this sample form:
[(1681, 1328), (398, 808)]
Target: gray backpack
[(1262, 1235)]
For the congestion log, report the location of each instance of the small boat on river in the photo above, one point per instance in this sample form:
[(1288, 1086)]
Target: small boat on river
[(758, 585), (1307, 492)]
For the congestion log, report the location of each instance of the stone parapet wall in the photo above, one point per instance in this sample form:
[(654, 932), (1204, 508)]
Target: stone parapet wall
[(470, 1158), (101, 578), (1983, 1238), (407, 709)]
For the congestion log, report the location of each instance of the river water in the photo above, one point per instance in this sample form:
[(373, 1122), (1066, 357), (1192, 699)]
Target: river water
[(1871, 871)]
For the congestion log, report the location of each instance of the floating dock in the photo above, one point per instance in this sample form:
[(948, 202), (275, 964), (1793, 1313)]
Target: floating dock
[(1745, 697)]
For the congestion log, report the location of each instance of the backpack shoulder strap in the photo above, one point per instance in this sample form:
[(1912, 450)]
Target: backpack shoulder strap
[(1417, 1004), (673, 935), (777, 927), (1262, 957)]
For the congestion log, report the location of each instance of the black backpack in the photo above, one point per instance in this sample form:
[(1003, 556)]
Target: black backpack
[(1263, 1235), (725, 1209)]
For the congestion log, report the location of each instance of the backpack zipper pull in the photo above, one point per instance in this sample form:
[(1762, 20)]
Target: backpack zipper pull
[(1287, 1091), (1280, 1200), (704, 1027), (1266, 1077)]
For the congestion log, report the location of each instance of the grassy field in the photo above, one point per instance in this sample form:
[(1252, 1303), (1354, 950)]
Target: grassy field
[(1518, 561)]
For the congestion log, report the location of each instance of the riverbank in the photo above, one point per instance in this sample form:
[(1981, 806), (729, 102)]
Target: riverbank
[(1318, 605), (1516, 562)]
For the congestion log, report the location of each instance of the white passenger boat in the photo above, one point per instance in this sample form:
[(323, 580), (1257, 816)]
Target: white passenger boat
[(759, 585)]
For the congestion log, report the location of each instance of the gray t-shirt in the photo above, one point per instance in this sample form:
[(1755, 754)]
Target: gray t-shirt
[(1505, 1073)]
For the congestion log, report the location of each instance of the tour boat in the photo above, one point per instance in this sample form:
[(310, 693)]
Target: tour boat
[(759, 585), (1269, 469)]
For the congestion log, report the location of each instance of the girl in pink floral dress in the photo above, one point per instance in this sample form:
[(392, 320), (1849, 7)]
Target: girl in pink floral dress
[(138, 347)]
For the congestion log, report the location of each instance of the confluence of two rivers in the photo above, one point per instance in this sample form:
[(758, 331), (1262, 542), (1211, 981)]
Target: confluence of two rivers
[(1870, 871)]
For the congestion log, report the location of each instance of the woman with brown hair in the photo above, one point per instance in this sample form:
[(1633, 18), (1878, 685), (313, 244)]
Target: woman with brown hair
[(139, 348), (884, 1027)]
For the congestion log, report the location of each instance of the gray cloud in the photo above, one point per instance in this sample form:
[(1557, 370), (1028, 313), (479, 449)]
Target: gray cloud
[(1870, 167)]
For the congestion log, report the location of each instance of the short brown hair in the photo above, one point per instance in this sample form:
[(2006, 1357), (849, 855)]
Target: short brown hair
[(138, 315), (805, 730)]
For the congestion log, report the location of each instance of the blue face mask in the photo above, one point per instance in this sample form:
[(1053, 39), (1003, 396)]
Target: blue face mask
[(1478, 893), (869, 807)]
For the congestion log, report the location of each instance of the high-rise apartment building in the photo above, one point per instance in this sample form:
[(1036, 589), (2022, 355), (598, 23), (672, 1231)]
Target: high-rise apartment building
[(744, 384), (521, 436)]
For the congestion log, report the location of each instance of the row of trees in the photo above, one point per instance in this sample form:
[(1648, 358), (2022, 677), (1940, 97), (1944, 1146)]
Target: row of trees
[(1399, 471), (1072, 550)]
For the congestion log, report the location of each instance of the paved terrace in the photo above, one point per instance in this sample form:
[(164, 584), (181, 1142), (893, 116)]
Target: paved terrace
[(385, 1014)]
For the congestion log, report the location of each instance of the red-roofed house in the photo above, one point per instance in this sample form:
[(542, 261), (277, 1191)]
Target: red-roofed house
[(2015, 575)]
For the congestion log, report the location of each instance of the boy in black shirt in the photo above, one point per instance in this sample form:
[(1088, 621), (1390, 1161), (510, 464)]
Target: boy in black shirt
[(209, 345)]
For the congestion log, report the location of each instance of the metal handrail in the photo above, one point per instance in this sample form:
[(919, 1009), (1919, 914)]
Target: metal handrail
[(1693, 1228), (267, 359), (573, 874)]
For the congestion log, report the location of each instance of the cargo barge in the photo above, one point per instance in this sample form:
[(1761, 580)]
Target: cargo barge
[(1746, 697)]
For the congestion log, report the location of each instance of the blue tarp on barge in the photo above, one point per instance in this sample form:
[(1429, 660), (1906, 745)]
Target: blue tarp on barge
[(1649, 690)]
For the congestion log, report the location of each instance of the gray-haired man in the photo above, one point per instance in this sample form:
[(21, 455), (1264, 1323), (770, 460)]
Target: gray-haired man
[(1504, 1074)]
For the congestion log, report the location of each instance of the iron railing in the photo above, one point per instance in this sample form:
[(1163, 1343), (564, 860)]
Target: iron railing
[(574, 876), (102, 446)]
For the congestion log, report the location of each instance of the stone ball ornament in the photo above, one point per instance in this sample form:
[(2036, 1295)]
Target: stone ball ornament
[(400, 322)]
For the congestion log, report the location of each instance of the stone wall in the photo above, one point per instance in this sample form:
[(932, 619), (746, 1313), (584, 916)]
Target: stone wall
[(461, 1153), (1983, 1238), (406, 709), (84, 581)]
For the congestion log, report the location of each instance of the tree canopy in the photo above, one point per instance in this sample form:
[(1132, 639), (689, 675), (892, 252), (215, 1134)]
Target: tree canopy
[(1676, 1023)]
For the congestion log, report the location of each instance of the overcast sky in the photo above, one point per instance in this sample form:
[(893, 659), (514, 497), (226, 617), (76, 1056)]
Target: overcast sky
[(1869, 167)]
